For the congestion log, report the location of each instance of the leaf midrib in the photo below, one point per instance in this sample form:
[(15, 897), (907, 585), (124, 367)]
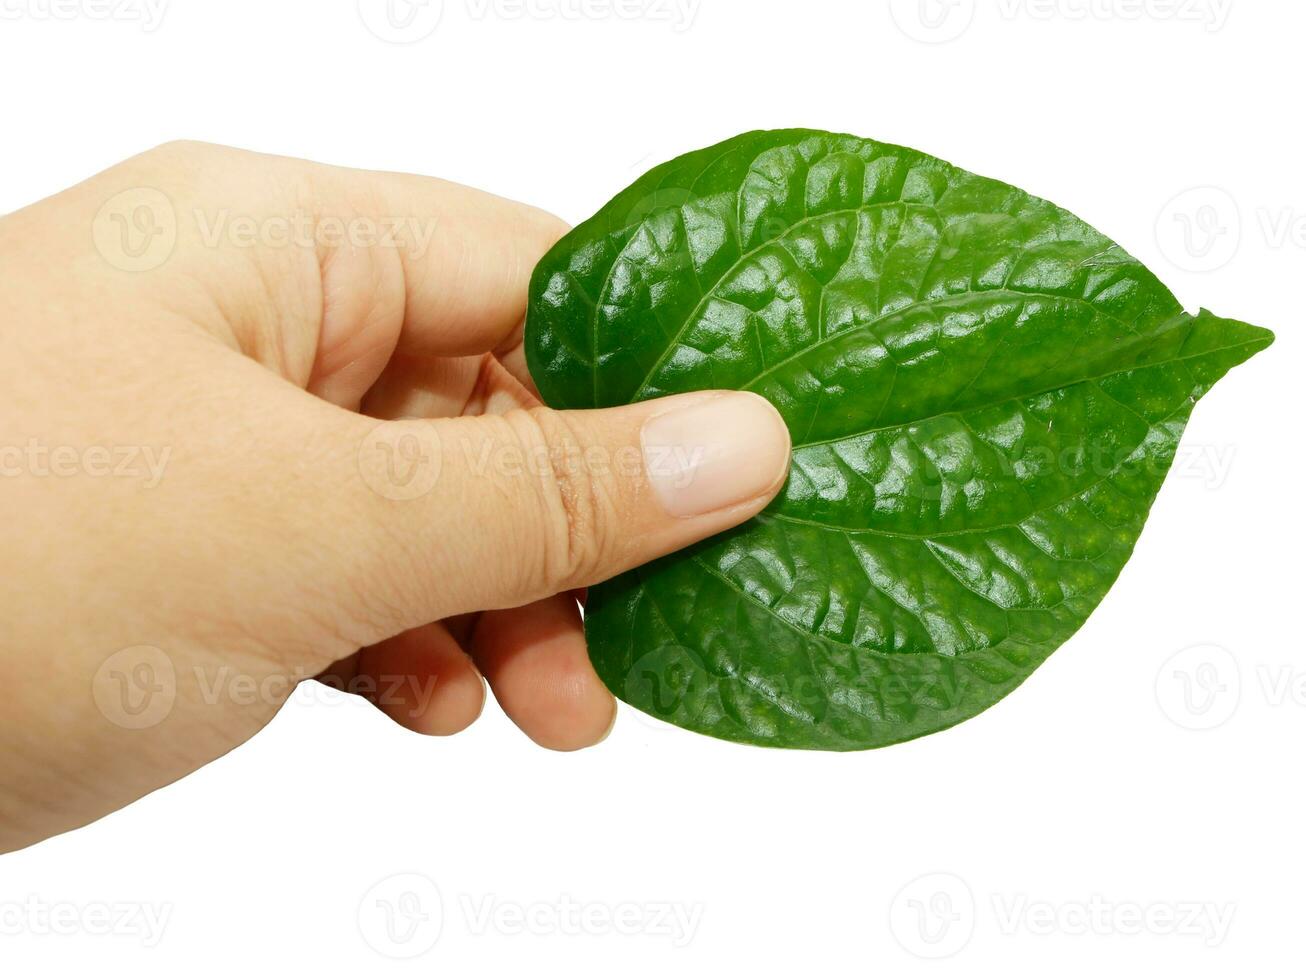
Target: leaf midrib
[(925, 540), (1190, 320)]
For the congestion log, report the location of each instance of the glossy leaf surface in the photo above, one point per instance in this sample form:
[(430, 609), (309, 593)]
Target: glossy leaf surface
[(984, 394)]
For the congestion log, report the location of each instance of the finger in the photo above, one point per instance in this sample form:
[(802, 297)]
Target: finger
[(511, 353), (462, 627), (466, 255), (423, 680), (456, 515), (352, 530), (537, 664), (321, 272), (429, 387)]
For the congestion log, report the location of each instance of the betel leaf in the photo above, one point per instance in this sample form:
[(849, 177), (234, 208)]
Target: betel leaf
[(984, 396)]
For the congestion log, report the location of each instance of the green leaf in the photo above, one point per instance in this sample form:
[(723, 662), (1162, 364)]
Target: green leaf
[(984, 395)]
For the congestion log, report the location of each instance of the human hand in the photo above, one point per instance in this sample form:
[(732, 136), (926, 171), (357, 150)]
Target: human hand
[(201, 348)]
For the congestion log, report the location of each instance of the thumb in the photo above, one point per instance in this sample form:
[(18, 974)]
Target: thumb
[(497, 511)]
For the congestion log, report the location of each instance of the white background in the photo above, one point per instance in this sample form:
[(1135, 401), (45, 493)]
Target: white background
[(1095, 788)]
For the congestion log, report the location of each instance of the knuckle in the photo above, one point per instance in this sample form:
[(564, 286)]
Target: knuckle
[(577, 506), (548, 228), (181, 151)]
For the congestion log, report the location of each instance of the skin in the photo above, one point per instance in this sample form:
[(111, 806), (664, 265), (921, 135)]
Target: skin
[(275, 546)]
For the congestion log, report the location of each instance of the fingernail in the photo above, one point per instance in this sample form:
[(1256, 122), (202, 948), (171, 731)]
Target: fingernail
[(715, 452)]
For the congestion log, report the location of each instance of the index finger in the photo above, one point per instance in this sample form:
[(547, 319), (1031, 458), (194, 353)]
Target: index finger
[(467, 257)]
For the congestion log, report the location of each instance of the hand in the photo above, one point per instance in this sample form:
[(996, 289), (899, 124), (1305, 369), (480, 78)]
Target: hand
[(205, 506)]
